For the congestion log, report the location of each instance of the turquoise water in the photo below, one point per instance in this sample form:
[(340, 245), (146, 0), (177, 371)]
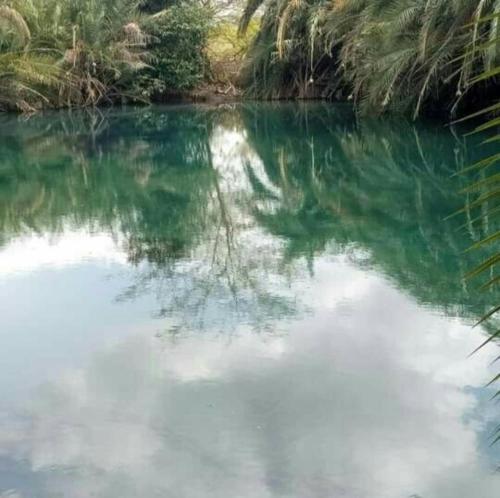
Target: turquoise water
[(243, 301)]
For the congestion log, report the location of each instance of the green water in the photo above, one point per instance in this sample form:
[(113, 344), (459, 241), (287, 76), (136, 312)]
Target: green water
[(244, 301)]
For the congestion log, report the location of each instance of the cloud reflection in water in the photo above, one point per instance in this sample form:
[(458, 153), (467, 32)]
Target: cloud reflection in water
[(338, 406)]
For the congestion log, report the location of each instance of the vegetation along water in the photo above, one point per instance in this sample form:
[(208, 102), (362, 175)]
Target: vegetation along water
[(204, 295)]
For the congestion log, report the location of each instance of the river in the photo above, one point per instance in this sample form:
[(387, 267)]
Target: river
[(248, 301)]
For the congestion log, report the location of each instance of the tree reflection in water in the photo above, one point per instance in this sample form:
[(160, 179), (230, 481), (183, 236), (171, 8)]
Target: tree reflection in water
[(246, 192)]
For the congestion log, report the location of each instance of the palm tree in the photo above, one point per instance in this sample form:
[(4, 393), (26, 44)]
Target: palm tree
[(483, 194), (398, 56), (68, 52)]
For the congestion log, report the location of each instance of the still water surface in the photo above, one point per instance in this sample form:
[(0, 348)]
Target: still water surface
[(251, 301)]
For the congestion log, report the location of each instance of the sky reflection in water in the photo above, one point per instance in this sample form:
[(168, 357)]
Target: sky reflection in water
[(233, 360)]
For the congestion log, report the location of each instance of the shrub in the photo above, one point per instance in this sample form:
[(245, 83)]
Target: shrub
[(177, 48)]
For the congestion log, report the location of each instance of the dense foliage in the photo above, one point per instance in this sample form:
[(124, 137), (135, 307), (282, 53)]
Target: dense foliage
[(179, 36), (400, 55), (57, 53)]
